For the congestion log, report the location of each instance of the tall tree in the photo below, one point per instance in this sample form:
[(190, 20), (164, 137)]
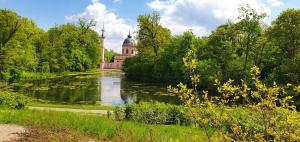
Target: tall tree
[(18, 36), (221, 46), (9, 23), (73, 48), (251, 30), (151, 34), (285, 34)]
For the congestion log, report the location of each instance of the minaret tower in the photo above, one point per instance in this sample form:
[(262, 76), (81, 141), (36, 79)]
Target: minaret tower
[(102, 64)]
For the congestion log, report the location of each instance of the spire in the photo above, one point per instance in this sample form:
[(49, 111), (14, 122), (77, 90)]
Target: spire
[(129, 35), (102, 30)]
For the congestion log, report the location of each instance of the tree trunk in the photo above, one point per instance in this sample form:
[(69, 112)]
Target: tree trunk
[(247, 56)]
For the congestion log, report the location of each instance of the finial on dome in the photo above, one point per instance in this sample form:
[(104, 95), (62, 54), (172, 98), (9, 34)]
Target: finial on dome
[(129, 35)]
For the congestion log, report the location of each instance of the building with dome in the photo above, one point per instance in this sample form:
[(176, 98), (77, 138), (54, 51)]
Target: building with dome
[(128, 50)]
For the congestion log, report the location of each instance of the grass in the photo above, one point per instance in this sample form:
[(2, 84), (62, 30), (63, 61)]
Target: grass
[(71, 106), (39, 75), (90, 72), (33, 75), (100, 127)]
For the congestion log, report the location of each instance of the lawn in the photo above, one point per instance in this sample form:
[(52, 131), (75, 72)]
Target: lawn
[(97, 126)]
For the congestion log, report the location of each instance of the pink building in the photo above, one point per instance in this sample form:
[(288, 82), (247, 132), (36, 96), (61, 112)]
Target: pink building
[(128, 50)]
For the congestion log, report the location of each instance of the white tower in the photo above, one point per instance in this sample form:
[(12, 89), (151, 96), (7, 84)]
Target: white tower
[(102, 64)]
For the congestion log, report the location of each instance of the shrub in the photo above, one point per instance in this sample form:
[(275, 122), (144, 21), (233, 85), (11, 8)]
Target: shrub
[(154, 113), (138, 69), (119, 114), (4, 76), (13, 100), (266, 114), (15, 74)]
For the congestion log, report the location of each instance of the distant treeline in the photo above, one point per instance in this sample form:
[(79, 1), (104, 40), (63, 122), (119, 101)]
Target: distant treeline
[(227, 53), (64, 48)]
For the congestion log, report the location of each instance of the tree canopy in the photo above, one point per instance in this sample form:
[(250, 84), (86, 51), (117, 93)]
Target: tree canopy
[(26, 48), (229, 52)]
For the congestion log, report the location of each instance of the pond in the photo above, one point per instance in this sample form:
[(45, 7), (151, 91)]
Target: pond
[(108, 88)]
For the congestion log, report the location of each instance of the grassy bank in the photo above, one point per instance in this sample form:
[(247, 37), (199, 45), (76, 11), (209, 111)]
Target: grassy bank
[(90, 72), (32, 75), (72, 106), (99, 126), (39, 75)]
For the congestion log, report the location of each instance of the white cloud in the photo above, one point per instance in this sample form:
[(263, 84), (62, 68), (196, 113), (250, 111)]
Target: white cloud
[(276, 2), (116, 27), (201, 16)]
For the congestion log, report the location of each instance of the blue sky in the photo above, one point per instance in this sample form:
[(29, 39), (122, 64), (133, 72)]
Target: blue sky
[(47, 13), (119, 16)]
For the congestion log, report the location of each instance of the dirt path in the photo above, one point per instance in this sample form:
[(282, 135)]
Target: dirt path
[(10, 132), (70, 110)]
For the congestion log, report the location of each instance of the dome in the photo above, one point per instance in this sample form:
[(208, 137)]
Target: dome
[(129, 41)]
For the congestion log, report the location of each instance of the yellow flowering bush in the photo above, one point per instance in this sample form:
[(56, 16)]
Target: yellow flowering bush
[(241, 112)]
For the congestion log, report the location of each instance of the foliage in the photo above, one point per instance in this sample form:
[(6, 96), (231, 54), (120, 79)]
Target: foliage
[(17, 49), (71, 48), (168, 66), (156, 113), (137, 68), (285, 34), (227, 53), (152, 40), (151, 34), (271, 116), (109, 55), (250, 30), (13, 100), (25, 48)]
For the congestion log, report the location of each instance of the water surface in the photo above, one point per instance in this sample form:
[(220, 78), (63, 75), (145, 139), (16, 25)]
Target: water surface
[(108, 88)]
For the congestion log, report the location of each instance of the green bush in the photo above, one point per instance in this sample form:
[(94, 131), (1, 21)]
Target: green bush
[(154, 113), (13, 100), (138, 69), (4, 76), (15, 74), (119, 114)]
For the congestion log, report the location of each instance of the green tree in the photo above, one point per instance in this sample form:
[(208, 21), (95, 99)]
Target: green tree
[(170, 63), (151, 34), (18, 36), (72, 48), (221, 46), (250, 30), (285, 34), (109, 55), (10, 23)]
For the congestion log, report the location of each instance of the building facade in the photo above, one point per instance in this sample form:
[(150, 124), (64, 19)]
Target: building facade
[(128, 50)]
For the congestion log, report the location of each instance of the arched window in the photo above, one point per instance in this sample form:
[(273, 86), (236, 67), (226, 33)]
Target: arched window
[(132, 51), (126, 51)]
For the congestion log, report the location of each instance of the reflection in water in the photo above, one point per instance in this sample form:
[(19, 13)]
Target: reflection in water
[(107, 88), (110, 91)]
